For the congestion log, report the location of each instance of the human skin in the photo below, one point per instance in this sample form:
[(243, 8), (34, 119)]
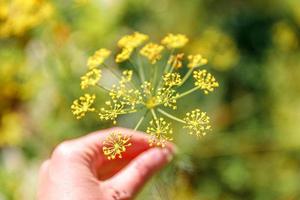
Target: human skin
[(78, 170)]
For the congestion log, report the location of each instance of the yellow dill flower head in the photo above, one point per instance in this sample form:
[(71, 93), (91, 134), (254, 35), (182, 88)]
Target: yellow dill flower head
[(160, 132), (112, 112), (19, 16), (98, 58), (176, 60), (132, 41), (167, 97), (124, 55), (197, 122), (172, 79), (205, 81), (172, 41), (91, 78), (196, 61), (152, 51), (115, 144), (83, 105), (147, 91)]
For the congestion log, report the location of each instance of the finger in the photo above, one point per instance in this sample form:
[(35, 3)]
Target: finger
[(43, 178), (43, 169), (88, 150), (129, 180)]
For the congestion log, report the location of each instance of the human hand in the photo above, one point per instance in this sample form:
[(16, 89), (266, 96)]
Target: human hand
[(78, 170)]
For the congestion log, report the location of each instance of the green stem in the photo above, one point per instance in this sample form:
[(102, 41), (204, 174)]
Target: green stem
[(112, 71), (139, 68), (154, 76), (187, 92), (141, 120), (118, 76), (170, 116), (153, 113), (167, 67), (186, 76), (102, 87)]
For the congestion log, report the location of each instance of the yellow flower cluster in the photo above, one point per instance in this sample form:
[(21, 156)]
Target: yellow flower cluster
[(19, 16), (155, 92), (132, 41), (91, 78), (83, 105), (152, 51), (176, 60), (115, 144), (98, 58), (173, 41), (205, 81), (197, 122), (196, 61), (172, 79), (160, 132), (128, 43)]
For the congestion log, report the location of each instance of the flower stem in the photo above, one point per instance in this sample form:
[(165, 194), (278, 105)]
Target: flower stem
[(186, 76), (170, 116), (167, 68), (141, 120), (187, 92), (102, 87), (140, 69), (112, 71), (153, 113), (154, 77)]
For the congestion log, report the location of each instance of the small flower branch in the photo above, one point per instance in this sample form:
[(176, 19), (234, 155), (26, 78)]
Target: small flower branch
[(170, 116)]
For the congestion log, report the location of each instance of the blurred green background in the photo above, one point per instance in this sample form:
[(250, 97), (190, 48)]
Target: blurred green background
[(252, 47)]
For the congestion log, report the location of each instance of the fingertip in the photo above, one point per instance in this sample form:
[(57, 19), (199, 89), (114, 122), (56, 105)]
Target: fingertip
[(140, 169)]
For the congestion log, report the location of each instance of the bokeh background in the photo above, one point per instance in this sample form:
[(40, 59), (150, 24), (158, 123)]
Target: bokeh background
[(252, 47)]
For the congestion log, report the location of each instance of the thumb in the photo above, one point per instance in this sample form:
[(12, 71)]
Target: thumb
[(130, 180)]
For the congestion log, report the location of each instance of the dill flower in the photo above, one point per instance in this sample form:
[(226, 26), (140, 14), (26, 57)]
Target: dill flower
[(167, 97), (113, 111), (205, 81), (98, 58), (83, 105), (91, 78), (172, 41), (155, 93), (115, 144), (132, 41), (19, 16), (152, 51), (172, 79), (124, 55), (176, 60), (196, 61), (160, 132), (197, 122)]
